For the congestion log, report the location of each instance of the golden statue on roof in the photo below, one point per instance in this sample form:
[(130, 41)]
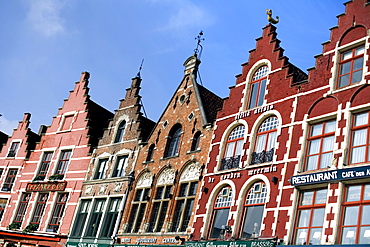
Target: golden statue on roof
[(270, 18)]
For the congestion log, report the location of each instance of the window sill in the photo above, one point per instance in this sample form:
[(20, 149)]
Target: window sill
[(195, 151), (148, 162), (170, 157)]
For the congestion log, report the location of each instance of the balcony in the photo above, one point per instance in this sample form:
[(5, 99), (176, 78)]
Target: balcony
[(230, 163), (262, 157)]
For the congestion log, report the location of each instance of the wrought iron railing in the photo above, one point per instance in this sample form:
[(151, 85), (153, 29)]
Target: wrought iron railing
[(262, 157), (230, 163)]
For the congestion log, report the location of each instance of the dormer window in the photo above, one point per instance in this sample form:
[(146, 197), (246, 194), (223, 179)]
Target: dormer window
[(351, 66), (258, 87)]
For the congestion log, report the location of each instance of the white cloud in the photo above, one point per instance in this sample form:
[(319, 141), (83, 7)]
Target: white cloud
[(187, 15), (7, 126), (44, 16)]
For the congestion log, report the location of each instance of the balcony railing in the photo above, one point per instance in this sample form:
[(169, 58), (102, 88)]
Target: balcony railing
[(262, 157), (230, 163)]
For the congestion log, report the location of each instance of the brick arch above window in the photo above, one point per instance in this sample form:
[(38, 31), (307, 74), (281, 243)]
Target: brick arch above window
[(323, 106), (353, 34), (360, 96)]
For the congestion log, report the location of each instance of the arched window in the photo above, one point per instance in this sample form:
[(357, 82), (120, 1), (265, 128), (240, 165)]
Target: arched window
[(196, 140), (149, 157), (221, 210), (120, 131), (173, 141), (258, 87), (253, 210), (234, 146), (265, 143)]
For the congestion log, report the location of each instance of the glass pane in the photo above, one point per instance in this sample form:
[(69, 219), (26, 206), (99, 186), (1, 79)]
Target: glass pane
[(261, 140), (356, 76), (358, 63), (367, 192), (315, 236), (239, 147), (353, 193), (301, 236), (329, 127), (254, 92), (359, 137), (359, 50), (344, 81), (345, 68), (316, 130), (220, 219), (361, 119), (261, 96), (364, 237), (348, 235), (326, 160), (358, 155), (271, 141), (304, 217), (312, 162), (321, 196), (318, 217), (328, 144), (365, 218), (314, 147), (347, 55), (230, 149), (350, 216), (252, 221)]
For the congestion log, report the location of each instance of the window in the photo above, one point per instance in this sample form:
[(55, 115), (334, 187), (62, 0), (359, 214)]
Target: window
[(138, 209), (173, 141), (159, 208), (310, 217), (184, 206), (265, 142), (45, 164), (110, 218), (3, 203), (320, 145), (9, 180), (58, 212), (258, 87), (63, 162), (355, 225), (95, 217), (234, 146), (40, 207), (149, 157), (253, 210), (67, 123), (360, 141), (120, 132), (13, 149), (81, 217), (101, 169), (119, 169), (351, 66), (195, 142), (19, 216), (221, 212)]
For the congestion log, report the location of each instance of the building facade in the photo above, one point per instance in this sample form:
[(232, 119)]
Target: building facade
[(111, 173), (289, 161), (47, 185)]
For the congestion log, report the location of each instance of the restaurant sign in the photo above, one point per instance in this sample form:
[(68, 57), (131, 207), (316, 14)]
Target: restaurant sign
[(46, 186), (256, 243), (332, 175)]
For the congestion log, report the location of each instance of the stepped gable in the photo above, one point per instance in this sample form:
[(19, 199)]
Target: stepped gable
[(3, 138)]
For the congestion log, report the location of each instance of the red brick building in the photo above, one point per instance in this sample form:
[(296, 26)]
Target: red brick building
[(290, 157), (111, 173), (48, 181), (170, 165)]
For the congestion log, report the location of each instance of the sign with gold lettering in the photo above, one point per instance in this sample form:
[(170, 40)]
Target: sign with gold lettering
[(46, 186)]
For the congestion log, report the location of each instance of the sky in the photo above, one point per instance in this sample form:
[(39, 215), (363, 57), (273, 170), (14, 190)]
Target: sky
[(46, 44)]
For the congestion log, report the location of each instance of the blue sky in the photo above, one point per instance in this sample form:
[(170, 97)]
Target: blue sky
[(46, 44)]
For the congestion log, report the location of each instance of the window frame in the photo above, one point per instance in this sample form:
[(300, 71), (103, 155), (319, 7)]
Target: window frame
[(44, 165), (95, 218), (321, 137), (261, 82), (22, 207), (351, 61), (58, 212), (311, 209), (366, 144), (80, 219), (3, 203), (235, 140), (195, 141), (120, 167), (120, 131), (13, 149), (63, 162), (39, 210), (138, 207), (173, 141), (101, 168), (159, 207), (110, 217), (9, 179), (150, 153)]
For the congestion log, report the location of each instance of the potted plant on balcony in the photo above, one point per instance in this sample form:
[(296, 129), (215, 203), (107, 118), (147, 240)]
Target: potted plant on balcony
[(14, 225), (30, 228), (56, 177)]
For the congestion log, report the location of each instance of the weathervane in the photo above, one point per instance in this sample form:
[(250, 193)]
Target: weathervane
[(270, 18), (199, 39), (141, 66)]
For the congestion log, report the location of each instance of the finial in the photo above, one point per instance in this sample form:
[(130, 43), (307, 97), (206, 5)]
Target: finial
[(199, 39), (141, 66), (270, 18)]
